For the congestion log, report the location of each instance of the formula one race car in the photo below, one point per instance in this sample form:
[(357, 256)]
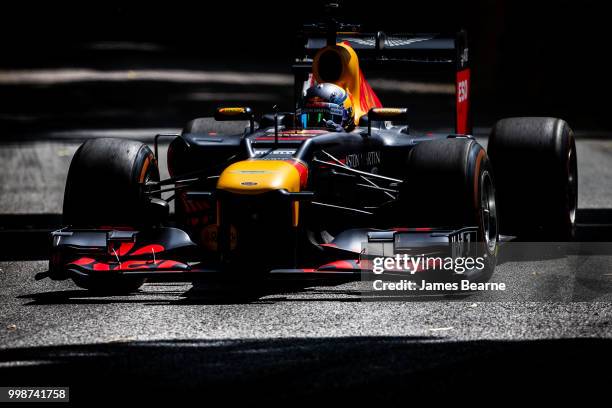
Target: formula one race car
[(317, 191)]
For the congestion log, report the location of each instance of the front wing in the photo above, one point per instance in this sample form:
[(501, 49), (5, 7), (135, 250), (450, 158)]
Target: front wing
[(169, 253)]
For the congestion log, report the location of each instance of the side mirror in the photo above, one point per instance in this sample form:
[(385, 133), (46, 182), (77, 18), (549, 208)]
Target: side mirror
[(383, 114), (236, 113)]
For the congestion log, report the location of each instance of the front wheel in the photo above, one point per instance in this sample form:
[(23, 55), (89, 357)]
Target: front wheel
[(104, 189), (450, 184)]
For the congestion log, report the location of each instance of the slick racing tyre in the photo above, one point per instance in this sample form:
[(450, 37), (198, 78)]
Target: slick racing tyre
[(449, 184), (104, 184), (104, 188), (534, 161)]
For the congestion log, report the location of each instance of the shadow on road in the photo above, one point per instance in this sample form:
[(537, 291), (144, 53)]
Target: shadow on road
[(202, 293), (237, 293), (346, 369)]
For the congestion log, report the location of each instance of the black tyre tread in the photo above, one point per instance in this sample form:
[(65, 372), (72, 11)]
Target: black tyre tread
[(529, 158), (102, 187), (442, 189), (439, 179)]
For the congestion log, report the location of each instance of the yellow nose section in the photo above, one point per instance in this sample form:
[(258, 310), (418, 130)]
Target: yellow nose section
[(259, 176)]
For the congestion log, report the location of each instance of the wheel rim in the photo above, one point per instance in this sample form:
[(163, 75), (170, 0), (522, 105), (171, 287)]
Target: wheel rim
[(488, 211), (572, 181)]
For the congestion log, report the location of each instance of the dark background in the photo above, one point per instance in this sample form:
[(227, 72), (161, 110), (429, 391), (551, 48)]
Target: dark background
[(529, 58)]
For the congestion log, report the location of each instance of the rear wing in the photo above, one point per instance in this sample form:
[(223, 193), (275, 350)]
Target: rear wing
[(447, 55)]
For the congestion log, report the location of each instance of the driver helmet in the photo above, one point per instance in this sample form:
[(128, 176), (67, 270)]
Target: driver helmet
[(328, 106)]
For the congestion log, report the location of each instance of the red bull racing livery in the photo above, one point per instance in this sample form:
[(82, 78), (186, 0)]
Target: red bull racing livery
[(320, 190)]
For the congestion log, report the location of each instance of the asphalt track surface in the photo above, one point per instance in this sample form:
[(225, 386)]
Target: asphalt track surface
[(298, 341)]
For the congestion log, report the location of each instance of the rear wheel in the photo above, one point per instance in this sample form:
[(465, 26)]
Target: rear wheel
[(535, 166), (104, 188), (450, 184)]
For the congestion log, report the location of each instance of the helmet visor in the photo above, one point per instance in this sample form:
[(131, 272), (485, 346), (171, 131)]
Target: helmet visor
[(317, 115)]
